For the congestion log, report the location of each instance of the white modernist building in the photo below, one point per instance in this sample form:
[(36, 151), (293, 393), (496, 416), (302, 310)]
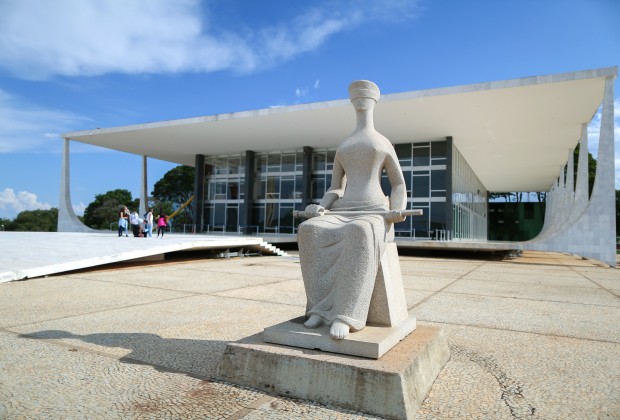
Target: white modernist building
[(455, 146)]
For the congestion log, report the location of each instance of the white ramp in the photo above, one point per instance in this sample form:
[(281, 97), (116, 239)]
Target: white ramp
[(35, 254)]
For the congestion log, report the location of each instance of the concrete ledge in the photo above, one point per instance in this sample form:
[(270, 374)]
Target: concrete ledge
[(393, 386), (372, 342), (35, 254)]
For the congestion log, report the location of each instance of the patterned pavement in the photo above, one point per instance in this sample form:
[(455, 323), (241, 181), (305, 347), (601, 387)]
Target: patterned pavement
[(533, 337)]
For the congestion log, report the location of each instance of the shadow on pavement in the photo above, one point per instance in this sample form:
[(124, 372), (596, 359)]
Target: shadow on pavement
[(196, 358)]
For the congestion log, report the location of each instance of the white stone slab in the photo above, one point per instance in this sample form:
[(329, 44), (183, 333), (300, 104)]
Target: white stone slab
[(35, 254), (392, 387), (372, 342)]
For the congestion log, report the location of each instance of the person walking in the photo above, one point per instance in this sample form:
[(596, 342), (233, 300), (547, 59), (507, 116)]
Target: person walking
[(161, 224), (148, 221), (122, 221)]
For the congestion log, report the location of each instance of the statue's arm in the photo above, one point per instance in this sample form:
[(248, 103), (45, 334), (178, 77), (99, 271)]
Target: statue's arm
[(335, 191), (398, 197)]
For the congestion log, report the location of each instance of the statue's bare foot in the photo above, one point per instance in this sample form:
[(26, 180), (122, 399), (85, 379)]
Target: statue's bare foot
[(314, 321), (339, 330)]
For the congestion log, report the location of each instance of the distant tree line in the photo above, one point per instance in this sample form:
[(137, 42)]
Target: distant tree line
[(32, 221), (169, 193)]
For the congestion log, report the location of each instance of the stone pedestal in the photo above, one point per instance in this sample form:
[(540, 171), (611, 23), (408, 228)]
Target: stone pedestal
[(393, 386), (372, 342)]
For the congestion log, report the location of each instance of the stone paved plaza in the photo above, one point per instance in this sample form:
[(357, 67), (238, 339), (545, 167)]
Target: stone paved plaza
[(533, 337)]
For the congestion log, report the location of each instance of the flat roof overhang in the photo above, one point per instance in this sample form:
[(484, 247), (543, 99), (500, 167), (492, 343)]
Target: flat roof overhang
[(515, 134)]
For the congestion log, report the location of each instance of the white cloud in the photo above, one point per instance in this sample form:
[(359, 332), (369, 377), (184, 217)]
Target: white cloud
[(40, 39), (304, 91), (79, 208), (301, 92), (12, 203), (27, 128)]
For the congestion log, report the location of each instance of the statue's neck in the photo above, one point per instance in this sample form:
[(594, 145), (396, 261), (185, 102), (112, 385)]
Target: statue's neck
[(365, 120)]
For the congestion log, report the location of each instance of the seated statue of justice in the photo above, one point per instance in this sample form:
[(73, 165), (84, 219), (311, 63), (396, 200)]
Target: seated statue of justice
[(342, 245)]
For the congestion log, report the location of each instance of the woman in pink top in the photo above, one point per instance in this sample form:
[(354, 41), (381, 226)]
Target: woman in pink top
[(161, 224)]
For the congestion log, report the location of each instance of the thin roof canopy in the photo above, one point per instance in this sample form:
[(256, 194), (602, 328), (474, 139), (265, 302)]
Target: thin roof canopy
[(515, 134)]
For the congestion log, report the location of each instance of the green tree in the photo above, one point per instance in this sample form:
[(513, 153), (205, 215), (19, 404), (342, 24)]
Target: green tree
[(176, 187), (5, 224), (103, 212), (35, 221), (591, 168)]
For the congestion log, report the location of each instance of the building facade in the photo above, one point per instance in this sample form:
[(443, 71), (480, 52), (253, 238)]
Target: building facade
[(258, 192), (454, 144)]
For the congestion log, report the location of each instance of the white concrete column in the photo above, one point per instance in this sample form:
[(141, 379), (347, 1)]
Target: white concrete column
[(67, 220), (593, 234), (581, 189), (144, 194)]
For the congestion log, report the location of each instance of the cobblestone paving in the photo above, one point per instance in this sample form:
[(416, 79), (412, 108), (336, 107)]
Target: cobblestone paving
[(532, 338)]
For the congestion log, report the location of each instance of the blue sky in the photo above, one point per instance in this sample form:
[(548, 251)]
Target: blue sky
[(69, 65)]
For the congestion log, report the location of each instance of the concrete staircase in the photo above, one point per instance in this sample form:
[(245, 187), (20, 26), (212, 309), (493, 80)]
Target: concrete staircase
[(264, 248), (267, 248)]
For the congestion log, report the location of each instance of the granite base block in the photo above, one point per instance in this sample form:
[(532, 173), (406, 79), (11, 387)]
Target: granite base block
[(372, 342), (394, 386)]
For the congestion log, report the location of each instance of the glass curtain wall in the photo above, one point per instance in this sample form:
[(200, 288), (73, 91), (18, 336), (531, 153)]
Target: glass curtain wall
[(277, 191), (224, 198), (469, 201), (424, 169), (278, 183), (322, 165)]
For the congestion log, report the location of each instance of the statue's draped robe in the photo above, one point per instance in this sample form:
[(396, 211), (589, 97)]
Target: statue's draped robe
[(339, 258)]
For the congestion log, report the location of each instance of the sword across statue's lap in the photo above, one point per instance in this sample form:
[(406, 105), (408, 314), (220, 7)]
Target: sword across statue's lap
[(308, 215)]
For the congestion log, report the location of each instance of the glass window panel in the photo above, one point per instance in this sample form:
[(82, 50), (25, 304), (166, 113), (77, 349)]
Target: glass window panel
[(258, 216), (219, 214), (299, 161), (420, 187), (385, 185), (233, 190), (261, 163), (403, 226), (421, 156), (273, 163), (271, 214), (438, 149), (407, 176), (209, 169), (220, 190), (317, 186), (298, 187), (259, 188), (233, 165), (438, 215), (286, 219), (438, 179), (232, 218), (331, 155), (403, 151), (273, 187), (208, 214), (287, 187), (288, 163), (318, 161), (221, 167)]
